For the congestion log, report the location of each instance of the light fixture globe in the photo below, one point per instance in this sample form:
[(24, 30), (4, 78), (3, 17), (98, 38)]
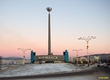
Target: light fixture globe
[(49, 9)]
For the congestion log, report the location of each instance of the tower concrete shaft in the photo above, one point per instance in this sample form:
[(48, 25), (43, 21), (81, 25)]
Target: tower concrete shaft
[(49, 35)]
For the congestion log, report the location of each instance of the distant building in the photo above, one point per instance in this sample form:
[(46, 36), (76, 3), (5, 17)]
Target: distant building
[(103, 57)]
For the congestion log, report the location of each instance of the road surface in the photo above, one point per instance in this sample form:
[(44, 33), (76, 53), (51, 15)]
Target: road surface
[(91, 74)]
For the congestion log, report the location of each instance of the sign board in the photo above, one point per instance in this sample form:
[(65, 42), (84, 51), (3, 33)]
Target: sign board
[(49, 57)]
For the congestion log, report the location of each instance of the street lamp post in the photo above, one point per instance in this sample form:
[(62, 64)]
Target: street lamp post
[(24, 50), (108, 59), (90, 56), (49, 31), (77, 50), (87, 41)]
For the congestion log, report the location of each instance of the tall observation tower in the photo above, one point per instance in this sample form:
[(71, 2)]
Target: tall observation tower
[(49, 31)]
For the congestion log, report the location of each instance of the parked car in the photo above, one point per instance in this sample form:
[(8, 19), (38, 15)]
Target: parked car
[(106, 65), (101, 64)]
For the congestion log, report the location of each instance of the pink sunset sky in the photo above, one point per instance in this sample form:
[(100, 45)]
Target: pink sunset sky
[(24, 24)]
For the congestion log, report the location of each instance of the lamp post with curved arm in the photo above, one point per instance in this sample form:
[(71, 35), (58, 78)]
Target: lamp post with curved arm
[(77, 50), (23, 50), (87, 41)]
